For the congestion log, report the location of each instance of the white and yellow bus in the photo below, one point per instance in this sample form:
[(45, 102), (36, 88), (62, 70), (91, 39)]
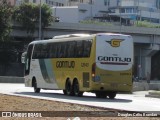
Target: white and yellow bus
[(77, 63)]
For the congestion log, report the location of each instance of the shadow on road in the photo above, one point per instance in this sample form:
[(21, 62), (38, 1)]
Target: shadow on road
[(60, 96)]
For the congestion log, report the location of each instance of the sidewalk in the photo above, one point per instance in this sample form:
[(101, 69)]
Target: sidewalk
[(143, 85), (154, 94)]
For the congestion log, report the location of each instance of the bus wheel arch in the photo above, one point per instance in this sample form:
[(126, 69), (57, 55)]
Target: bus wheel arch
[(76, 88), (34, 85)]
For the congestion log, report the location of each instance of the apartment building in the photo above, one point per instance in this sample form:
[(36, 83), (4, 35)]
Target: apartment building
[(148, 10), (137, 9), (132, 10)]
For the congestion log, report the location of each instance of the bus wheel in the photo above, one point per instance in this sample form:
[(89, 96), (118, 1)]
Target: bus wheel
[(36, 90), (112, 95), (68, 88), (64, 92), (76, 89), (101, 94), (98, 95)]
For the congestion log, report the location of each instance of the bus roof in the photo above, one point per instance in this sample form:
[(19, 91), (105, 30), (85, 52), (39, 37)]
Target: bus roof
[(71, 35), (66, 37)]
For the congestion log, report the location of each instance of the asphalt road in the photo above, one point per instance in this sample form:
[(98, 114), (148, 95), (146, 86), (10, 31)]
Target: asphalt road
[(130, 102)]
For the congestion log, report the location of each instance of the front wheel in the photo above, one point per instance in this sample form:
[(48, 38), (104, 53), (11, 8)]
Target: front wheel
[(76, 90), (36, 90)]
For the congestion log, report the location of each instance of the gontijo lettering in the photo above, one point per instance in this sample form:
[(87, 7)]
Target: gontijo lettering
[(114, 59), (65, 64)]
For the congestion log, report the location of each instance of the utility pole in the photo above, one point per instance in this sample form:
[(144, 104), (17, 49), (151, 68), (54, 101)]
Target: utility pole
[(40, 21), (120, 15)]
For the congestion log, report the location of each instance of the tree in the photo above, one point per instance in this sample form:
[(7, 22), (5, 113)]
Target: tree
[(27, 15), (5, 20), (47, 17)]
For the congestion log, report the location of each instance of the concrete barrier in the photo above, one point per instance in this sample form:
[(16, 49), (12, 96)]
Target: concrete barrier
[(6, 79), (154, 85), (140, 86), (143, 85)]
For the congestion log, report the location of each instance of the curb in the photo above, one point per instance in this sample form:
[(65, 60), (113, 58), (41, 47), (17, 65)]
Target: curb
[(153, 96)]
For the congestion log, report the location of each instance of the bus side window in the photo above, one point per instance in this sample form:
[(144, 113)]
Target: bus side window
[(37, 51), (62, 50), (87, 48), (52, 50), (44, 51), (65, 49), (79, 46), (71, 49)]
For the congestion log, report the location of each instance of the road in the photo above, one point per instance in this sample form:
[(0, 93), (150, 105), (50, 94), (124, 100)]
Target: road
[(130, 102)]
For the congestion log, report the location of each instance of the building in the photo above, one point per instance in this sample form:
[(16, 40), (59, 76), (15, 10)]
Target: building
[(126, 11), (49, 2), (67, 14), (147, 10), (55, 2)]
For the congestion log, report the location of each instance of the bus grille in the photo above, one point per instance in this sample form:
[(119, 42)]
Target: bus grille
[(85, 79)]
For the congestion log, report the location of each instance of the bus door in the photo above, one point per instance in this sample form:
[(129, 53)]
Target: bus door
[(28, 59)]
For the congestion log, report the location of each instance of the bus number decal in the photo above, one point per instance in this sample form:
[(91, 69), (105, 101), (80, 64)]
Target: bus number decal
[(84, 64), (65, 64)]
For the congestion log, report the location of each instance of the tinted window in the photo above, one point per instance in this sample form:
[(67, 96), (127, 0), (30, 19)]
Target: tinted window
[(70, 49), (28, 59)]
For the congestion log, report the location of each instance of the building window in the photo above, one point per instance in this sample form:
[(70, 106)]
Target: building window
[(118, 2), (129, 10), (81, 1), (122, 10), (106, 2), (34, 1)]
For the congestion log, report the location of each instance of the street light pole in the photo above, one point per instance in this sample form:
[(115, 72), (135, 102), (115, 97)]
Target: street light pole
[(40, 21)]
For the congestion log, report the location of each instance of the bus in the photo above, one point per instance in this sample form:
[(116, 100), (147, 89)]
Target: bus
[(76, 63)]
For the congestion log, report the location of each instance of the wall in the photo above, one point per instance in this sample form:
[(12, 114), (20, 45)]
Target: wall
[(12, 69), (66, 14)]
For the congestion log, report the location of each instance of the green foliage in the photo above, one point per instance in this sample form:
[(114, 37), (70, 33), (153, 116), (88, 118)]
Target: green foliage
[(96, 22), (27, 15), (5, 20), (46, 16), (146, 24)]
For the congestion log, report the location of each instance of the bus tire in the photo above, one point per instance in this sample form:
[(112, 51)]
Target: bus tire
[(64, 92), (98, 95), (112, 95), (36, 90), (101, 94), (68, 88), (76, 90)]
